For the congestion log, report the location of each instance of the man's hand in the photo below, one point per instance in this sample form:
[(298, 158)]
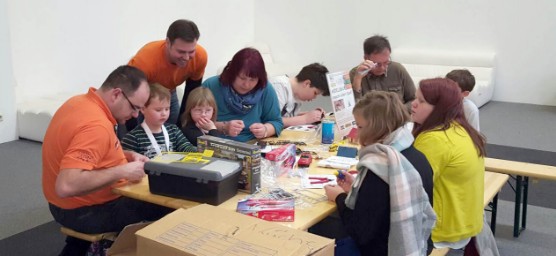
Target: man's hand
[(364, 68), (134, 171), (134, 156)]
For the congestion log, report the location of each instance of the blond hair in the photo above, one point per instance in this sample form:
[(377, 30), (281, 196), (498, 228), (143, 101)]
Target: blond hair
[(158, 92), (198, 97), (384, 112)]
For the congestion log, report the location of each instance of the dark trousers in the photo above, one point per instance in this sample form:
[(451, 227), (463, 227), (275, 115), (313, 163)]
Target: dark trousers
[(108, 217)]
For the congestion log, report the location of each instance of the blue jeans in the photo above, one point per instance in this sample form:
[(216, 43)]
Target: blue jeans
[(174, 108), (112, 216)]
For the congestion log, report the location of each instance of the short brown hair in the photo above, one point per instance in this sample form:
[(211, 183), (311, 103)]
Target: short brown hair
[(185, 30), (158, 92), (376, 44), (384, 112), (464, 79)]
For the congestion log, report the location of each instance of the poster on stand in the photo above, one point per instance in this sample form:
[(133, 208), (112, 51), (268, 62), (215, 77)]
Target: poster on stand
[(343, 101)]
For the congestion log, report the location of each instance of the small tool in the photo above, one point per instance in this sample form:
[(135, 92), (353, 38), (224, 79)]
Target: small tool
[(319, 180), (340, 174)]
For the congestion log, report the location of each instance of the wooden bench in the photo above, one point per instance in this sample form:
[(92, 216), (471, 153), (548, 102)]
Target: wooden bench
[(522, 172), (493, 183), (89, 237)]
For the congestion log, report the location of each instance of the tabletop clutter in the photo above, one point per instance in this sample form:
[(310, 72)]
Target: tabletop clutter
[(273, 179)]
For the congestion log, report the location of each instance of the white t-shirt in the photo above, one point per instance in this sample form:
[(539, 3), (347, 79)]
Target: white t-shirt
[(471, 113), (289, 107)]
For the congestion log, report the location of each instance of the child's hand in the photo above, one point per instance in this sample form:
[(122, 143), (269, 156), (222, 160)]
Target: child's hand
[(313, 116), (205, 124)]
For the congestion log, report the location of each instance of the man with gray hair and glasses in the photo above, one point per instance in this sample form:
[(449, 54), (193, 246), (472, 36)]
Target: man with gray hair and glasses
[(378, 72)]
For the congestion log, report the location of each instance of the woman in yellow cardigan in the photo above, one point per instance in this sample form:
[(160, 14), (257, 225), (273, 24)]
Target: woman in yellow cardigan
[(456, 154)]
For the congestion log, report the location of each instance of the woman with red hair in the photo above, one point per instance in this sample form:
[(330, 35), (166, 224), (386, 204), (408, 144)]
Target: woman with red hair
[(247, 104), (456, 153)]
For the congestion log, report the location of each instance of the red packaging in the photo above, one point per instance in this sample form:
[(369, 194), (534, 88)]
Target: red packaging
[(268, 209), (282, 158)]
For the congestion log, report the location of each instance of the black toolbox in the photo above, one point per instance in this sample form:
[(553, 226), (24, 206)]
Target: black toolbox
[(210, 180)]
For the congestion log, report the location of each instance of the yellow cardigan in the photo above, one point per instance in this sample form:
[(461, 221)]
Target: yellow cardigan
[(458, 182)]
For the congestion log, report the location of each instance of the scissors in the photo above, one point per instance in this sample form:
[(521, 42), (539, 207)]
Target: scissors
[(319, 180)]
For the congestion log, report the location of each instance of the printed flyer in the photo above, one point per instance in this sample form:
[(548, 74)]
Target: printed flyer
[(343, 101)]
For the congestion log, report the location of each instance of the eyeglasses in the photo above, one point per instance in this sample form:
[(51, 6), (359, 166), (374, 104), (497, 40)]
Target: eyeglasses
[(135, 108), (199, 111), (383, 64)]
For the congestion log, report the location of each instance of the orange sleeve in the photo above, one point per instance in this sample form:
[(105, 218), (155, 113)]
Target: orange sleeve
[(87, 149)]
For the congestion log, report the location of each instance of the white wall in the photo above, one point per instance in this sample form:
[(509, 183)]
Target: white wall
[(521, 33), (67, 46), (7, 103)]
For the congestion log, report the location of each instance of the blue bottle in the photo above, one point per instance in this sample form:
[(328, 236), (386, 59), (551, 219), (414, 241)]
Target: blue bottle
[(327, 131)]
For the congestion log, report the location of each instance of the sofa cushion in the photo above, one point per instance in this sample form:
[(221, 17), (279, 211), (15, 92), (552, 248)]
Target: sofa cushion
[(422, 64)]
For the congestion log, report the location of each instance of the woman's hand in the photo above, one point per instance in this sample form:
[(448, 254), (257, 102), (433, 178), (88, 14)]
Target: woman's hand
[(234, 127), (332, 192), (346, 182), (259, 130)]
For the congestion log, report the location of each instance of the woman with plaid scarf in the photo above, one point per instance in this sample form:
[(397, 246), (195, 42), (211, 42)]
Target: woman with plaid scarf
[(385, 209)]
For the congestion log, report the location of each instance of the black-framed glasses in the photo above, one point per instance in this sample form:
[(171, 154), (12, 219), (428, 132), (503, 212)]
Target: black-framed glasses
[(135, 108)]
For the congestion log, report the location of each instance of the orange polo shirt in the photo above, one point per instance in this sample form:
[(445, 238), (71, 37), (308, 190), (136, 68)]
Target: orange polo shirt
[(152, 60), (81, 135)]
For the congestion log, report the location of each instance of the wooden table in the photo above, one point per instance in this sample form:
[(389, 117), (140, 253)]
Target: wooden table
[(493, 184), (522, 171), (305, 217)]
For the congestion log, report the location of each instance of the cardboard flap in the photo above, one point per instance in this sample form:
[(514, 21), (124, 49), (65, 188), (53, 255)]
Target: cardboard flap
[(209, 230), (126, 243)]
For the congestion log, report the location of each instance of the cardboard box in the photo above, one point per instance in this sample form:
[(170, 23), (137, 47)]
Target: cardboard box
[(250, 155), (208, 230), (197, 178), (126, 242)]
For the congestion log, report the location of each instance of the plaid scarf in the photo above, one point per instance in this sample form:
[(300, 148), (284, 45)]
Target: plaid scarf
[(411, 215)]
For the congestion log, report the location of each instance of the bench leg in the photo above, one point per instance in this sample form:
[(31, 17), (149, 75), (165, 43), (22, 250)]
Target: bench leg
[(524, 206), (493, 208), (521, 191)]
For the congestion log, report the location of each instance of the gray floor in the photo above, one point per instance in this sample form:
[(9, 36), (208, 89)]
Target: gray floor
[(23, 207)]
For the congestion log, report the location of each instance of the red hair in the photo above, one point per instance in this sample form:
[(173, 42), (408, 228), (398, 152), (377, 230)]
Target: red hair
[(248, 61), (445, 95)]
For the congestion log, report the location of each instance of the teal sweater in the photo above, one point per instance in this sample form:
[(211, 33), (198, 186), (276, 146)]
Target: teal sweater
[(267, 111)]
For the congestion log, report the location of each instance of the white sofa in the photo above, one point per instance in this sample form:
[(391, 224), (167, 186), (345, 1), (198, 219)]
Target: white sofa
[(33, 116), (423, 64)]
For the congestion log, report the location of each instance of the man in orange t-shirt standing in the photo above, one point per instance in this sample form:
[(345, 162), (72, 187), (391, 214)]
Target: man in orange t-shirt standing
[(173, 61), (82, 159)]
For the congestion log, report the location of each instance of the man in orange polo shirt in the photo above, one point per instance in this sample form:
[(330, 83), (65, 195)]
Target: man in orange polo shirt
[(83, 159), (172, 61)]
